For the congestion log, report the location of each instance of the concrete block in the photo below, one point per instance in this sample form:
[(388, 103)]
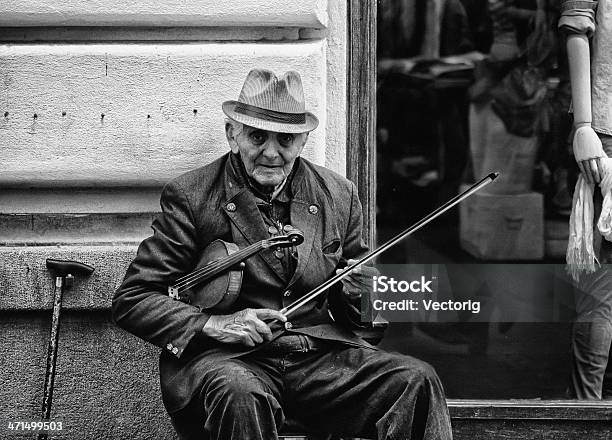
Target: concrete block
[(50, 229), (26, 284), (133, 114), (79, 200), (107, 381), (297, 13)]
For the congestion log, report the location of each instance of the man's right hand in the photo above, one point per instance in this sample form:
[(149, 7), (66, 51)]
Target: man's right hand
[(245, 327)]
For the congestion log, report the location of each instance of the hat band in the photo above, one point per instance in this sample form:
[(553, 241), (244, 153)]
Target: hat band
[(269, 115)]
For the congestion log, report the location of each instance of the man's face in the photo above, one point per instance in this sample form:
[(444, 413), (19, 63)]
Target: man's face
[(268, 156)]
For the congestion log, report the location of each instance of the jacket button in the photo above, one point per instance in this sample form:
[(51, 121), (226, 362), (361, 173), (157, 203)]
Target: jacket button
[(174, 350), (313, 209), (231, 207), (288, 325), (287, 293)]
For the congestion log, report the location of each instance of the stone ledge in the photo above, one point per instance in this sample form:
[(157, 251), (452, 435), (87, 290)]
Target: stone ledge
[(97, 200), (26, 284), (74, 229), (302, 13)]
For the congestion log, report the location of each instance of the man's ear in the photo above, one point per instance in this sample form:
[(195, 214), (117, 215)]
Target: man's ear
[(231, 139)]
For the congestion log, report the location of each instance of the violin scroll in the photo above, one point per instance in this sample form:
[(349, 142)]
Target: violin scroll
[(293, 237)]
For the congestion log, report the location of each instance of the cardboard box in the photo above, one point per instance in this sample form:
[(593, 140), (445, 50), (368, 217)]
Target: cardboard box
[(503, 227)]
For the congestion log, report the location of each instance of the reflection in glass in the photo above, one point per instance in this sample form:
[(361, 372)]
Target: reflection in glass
[(467, 87)]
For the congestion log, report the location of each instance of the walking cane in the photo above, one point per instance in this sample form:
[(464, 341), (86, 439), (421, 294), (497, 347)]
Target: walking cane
[(63, 271)]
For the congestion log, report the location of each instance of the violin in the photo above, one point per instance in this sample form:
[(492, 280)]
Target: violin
[(215, 283)]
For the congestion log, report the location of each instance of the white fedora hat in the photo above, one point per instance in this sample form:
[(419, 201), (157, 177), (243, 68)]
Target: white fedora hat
[(271, 103)]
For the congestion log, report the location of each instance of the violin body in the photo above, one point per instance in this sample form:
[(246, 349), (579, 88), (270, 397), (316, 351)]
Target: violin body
[(220, 292), (214, 285)]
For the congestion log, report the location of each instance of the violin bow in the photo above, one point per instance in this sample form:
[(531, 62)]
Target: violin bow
[(291, 308)]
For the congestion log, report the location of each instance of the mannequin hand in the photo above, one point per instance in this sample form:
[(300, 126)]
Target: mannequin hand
[(358, 281), (590, 169), (586, 143), (245, 327)]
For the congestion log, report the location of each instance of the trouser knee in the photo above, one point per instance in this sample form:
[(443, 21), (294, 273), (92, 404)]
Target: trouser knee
[(237, 395), (418, 373)]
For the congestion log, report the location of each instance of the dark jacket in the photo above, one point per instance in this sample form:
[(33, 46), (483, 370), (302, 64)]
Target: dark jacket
[(215, 202)]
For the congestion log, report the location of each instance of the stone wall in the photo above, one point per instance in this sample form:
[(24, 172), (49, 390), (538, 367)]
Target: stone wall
[(100, 104)]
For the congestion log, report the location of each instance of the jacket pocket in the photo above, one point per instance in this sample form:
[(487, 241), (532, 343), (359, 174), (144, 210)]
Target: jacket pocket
[(332, 247), (332, 252)]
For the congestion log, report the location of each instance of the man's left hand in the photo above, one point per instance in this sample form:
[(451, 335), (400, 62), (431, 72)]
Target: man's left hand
[(358, 281)]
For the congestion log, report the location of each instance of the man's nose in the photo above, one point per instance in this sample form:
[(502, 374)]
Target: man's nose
[(271, 148)]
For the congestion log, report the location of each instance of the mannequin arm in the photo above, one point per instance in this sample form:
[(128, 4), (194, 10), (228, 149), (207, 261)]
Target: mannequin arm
[(586, 144)]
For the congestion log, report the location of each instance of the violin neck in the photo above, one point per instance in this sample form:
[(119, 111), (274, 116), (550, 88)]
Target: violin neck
[(242, 254)]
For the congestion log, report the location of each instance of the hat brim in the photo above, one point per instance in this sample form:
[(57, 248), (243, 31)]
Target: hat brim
[(311, 122)]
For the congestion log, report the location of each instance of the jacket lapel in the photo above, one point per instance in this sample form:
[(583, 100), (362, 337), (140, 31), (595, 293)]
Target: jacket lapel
[(305, 216)]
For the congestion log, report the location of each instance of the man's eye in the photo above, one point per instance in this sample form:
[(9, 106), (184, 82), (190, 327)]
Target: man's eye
[(258, 138), (286, 139)]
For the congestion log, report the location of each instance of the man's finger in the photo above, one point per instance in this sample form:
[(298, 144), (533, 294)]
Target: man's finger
[(362, 270), (235, 335), (360, 277), (246, 339), (254, 335), (354, 284), (269, 314), (259, 326), (248, 335), (358, 269), (249, 326)]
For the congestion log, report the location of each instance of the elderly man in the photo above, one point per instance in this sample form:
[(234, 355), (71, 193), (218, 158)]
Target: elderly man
[(226, 375)]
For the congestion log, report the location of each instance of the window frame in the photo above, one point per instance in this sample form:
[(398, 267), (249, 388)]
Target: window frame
[(472, 418)]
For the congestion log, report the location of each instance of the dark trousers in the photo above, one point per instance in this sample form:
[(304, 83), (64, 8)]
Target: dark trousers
[(591, 350), (592, 330), (329, 388)]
